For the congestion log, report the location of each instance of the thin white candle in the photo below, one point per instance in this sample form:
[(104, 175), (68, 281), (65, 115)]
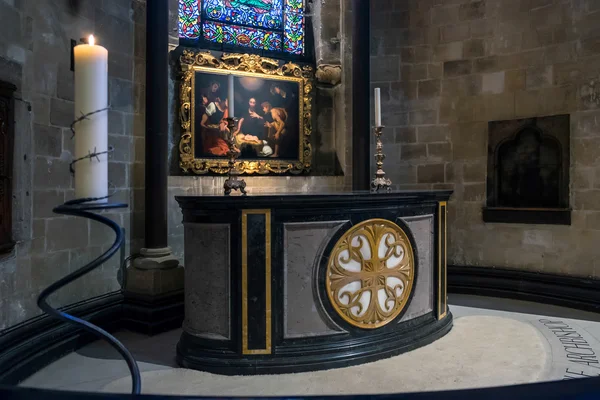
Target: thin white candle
[(91, 94), (377, 107), (230, 95)]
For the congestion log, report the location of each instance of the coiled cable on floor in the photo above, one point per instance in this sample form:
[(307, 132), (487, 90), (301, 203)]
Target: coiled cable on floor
[(83, 208)]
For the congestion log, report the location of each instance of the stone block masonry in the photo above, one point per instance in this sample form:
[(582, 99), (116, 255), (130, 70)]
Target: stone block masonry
[(35, 56), (451, 66)]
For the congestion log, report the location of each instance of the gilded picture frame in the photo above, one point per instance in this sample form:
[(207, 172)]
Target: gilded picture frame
[(196, 63)]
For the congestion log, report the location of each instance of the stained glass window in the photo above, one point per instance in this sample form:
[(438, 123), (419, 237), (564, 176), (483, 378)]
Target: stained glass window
[(273, 25)]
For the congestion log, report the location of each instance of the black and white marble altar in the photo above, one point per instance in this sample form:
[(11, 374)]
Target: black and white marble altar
[(259, 294)]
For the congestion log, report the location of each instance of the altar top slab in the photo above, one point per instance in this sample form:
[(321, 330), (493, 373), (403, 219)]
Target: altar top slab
[(313, 200)]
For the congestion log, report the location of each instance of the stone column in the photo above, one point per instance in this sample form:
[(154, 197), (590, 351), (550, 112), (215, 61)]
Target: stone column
[(361, 109), (157, 272)]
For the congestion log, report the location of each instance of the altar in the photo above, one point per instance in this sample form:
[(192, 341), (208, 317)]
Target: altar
[(289, 283)]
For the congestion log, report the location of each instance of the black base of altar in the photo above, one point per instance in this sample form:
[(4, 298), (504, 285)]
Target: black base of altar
[(291, 283), (315, 354)]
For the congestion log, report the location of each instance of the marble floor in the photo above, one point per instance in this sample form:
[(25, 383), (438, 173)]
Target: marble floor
[(494, 342)]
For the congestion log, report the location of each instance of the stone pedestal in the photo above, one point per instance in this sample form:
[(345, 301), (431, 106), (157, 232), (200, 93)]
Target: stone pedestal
[(154, 300), (156, 259), (154, 292), (155, 273), (154, 282)]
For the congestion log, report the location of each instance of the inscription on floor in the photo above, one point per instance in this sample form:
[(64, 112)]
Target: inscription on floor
[(575, 353)]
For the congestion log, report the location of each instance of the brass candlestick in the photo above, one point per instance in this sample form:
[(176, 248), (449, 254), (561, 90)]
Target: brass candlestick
[(232, 182), (380, 181)]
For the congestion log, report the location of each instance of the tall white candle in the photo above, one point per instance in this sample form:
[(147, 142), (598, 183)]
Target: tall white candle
[(377, 107), (91, 94), (230, 95)]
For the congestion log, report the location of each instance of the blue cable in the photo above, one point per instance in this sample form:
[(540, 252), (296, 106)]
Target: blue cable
[(82, 208)]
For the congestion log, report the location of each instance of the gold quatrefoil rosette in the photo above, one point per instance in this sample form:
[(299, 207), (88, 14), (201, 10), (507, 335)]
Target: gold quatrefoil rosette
[(370, 273)]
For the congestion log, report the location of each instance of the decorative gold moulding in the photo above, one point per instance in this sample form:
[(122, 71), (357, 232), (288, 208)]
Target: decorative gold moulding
[(442, 260), (370, 274), (243, 65)]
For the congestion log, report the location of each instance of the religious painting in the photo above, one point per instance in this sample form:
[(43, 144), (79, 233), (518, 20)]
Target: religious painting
[(271, 106)]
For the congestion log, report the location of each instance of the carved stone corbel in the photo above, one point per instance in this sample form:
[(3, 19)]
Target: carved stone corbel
[(329, 74)]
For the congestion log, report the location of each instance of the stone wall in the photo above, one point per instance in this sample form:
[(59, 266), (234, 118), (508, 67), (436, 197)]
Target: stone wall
[(446, 68), (331, 130), (35, 55)]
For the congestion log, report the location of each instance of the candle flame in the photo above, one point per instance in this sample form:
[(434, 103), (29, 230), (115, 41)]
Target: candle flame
[(91, 40)]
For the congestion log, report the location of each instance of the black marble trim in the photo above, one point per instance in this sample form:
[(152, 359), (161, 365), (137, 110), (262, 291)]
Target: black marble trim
[(235, 270), (560, 290), (256, 285), (310, 356), (565, 291), (194, 207)]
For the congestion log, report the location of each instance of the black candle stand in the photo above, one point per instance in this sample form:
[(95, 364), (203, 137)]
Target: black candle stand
[(84, 208)]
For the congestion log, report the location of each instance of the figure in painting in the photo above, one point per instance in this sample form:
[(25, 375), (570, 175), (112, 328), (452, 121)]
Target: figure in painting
[(281, 98), (213, 91), (268, 118), (251, 123), (212, 130), (279, 137), (266, 133)]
